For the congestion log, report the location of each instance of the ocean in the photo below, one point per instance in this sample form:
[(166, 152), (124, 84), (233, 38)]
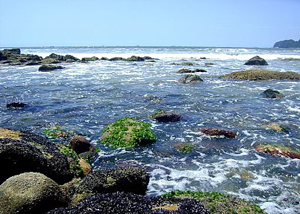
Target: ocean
[(86, 97)]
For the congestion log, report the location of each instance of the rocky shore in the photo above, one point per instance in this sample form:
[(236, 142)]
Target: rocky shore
[(39, 175)]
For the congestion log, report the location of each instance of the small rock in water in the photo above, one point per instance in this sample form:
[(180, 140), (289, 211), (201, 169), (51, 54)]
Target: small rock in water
[(256, 61), (49, 67), (80, 144), (270, 93), (163, 116), (190, 78), (16, 105), (218, 132), (281, 150)]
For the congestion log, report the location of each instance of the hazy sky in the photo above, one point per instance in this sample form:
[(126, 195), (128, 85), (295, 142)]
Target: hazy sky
[(224, 23)]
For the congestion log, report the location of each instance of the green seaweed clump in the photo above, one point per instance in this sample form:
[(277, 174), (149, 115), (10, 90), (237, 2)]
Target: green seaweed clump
[(219, 203), (73, 159), (184, 148), (127, 133), (58, 132)]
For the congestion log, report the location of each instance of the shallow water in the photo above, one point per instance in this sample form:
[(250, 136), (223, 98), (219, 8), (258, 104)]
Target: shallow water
[(85, 97)]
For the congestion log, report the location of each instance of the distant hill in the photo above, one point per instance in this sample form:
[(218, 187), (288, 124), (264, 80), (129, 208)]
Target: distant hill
[(287, 44)]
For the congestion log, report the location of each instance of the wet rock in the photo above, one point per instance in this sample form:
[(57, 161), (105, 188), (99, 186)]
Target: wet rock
[(278, 127), (30, 193), (218, 132), (163, 116), (11, 51), (85, 167), (190, 78), (70, 58), (104, 58), (135, 59), (80, 144), (184, 71), (281, 150), (26, 152), (117, 59), (256, 61), (49, 67), (121, 203), (127, 133), (257, 75), (184, 148), (32, 63), (16, 105), (270, 93), (60, 58), (50, 61), (89, 59), (209, 64), (122, 179), (215, 202)]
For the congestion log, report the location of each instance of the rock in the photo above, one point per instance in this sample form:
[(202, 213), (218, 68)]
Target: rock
[(117, 59), (163, 116), (184, 71), (30, 193), (135, 59), (127, 133), (32, 63), (270, 93), (80, 144), (70, 58), (184, 148), (85, 166), (281, 150), (50, 61), (26, 152), (216, 202), (12, 51), (278, 127), (287, 44), (257, 75), (218, 132), (49, 67), (256, 61), (16, 105), (131, 179), (89, 59), (190, 78), (104, 58), (208, 64), (121, 203), (203, 58), (60, 58)]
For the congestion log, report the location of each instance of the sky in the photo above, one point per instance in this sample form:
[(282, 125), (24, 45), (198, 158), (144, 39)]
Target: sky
[(215, 23)]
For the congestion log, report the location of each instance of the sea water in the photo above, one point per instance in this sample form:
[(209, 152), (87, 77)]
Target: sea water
[(86, 97)]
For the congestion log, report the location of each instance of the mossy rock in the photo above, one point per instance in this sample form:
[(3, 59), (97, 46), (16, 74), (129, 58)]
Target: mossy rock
[(127, 133), (219, 203), (184, 148), (26, 152), (164, 116), (30, 193), (281, 150), (258, 74)]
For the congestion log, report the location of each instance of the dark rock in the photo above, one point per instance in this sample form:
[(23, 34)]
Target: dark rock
[(67, 58), (203, 58), (218, 132), (50, 61), (184, 71), (32, 63), (89, 59), (257, 75), (208, 64), (80, 144), (117, 59), (16, 105), (123, 203), (70, 58), (163, 116), (256, 61), (30, 193), (26, 152), (124, 179), (2, 56), (287, 44), (11, 51), (270, 93), (49, 67), (104, 58), (190, 78), (135, 59)]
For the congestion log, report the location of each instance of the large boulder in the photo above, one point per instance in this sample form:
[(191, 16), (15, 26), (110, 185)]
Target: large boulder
[(11, 51), (127, 133), (216, 202), (26, 152), (121, 203), (257, 60), (89, 59), (60, 58), (190, 78), (257, 75), (131, 179), (270, 93), (30, 193), (80, 144)]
